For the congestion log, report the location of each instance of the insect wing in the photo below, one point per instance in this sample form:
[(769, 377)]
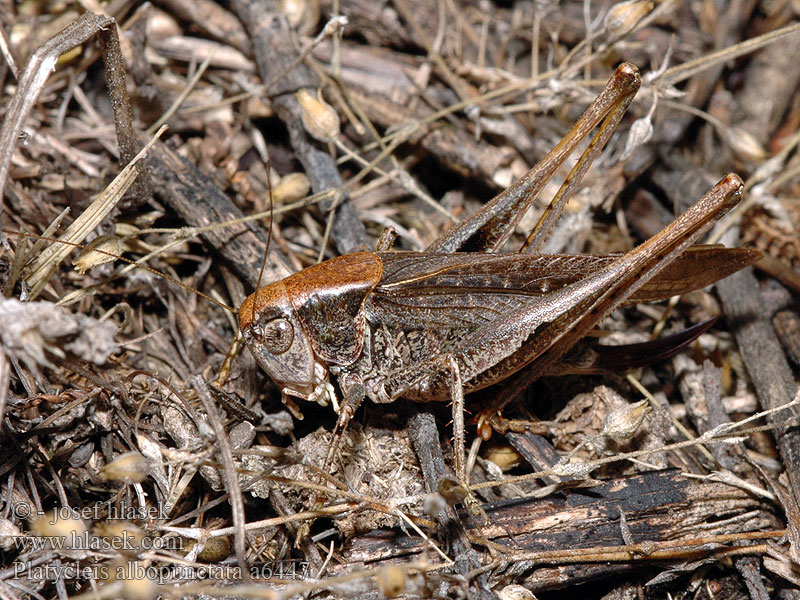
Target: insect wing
[(465, 290)]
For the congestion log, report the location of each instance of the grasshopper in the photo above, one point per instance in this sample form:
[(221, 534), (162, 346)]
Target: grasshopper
[(461, 317)]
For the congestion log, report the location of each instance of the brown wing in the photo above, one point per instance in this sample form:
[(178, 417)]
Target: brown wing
[(696, 268), (465, 290)]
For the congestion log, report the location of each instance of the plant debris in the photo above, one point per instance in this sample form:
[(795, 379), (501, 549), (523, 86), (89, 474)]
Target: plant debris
[(128, 472)]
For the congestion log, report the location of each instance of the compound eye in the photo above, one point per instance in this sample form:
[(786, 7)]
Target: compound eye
[(278, 336)]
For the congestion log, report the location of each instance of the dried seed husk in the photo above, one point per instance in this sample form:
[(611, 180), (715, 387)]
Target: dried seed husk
[(623, 423), (319, 118), (451, 490), (110, 247), (139, 588), (133, 579), (515, 592), (302, 15), (121, 534), (745, 146), (623, 17), (214, 550), (391, 581), (54, 524), (130, 467), (291, 187), (503, 456)]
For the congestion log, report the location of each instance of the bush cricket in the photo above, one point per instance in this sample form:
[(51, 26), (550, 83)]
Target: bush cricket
[(460, 316)]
